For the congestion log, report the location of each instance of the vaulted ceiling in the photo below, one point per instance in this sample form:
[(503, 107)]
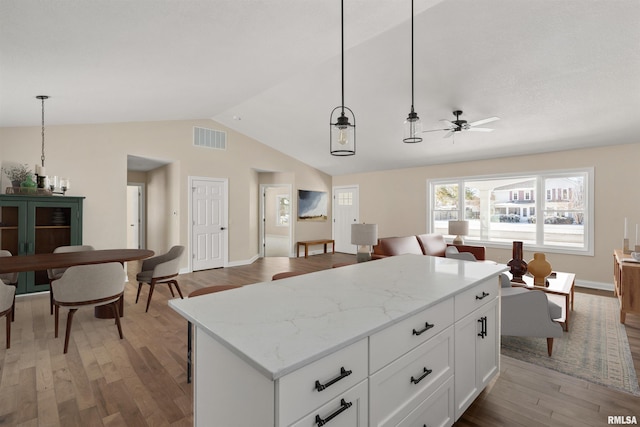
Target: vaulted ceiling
[(560, 74)]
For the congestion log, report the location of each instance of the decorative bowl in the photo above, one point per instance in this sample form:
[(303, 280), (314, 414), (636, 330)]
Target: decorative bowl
[(636, 255)]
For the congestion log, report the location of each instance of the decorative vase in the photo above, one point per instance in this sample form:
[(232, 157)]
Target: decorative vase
[(29, 185), (540, 268), (517, 265)]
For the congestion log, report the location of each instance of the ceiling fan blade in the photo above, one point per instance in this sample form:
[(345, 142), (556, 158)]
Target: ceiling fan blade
[(448, 134), (434, 130), (485, 121), (480, 129)]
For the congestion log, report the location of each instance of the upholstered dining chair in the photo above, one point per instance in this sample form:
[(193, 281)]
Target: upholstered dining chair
[(88, 286), (196, 293), (7, 301), (56, 273), (160, 269), (10, 279)]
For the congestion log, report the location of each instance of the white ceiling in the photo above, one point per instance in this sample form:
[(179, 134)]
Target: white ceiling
[(560, 74)]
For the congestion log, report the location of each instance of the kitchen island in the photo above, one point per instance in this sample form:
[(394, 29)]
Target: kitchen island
[(365, 344)]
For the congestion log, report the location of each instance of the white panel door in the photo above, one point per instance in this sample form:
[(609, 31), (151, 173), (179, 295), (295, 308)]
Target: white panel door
[(133, 217), (345, 213), (209, 231)]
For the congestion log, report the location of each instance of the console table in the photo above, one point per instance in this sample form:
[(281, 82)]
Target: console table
[(626, 279), (406, 340), (307, 243)]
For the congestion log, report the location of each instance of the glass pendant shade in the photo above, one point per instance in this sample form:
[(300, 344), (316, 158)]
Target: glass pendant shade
[(343, 132), (412, 128)]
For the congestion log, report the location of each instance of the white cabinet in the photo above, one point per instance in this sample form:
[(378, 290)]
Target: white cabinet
[(434, 411), (350, 409), (320, 382), (398, 388), (406, 341), (476, 346)]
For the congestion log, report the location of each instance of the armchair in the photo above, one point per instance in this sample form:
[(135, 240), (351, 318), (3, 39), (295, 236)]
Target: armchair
[(160, 269), (528, 313)]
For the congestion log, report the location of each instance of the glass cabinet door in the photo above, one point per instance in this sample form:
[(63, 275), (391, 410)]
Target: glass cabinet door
[(54, 225), (13, 233)]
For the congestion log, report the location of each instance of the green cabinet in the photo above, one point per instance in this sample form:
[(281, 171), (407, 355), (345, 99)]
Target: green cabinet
[(36, 225)]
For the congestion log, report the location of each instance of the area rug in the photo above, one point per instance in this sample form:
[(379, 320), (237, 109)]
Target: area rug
[(595, 349)]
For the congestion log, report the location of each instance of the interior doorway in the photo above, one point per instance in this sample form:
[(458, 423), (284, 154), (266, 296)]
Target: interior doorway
[(276, 208), (136, 216)]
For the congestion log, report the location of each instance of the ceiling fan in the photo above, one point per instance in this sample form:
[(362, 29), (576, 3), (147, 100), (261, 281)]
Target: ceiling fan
[(459, 125)]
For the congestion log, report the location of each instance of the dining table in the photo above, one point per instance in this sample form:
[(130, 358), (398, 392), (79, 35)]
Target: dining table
[(45, 261)]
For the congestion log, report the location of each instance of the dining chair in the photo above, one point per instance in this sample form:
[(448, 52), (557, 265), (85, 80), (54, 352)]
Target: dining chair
[(160, 269), (10, 279), (285, 274), (88, 286), (56, 273), (7, 301), (198, 292)]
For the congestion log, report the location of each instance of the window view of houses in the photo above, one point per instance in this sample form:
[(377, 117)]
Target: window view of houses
[(543, 210)]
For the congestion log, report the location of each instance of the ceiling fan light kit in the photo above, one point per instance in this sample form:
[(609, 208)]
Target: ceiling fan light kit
[(342, 135), (460, 125), (413, 125)]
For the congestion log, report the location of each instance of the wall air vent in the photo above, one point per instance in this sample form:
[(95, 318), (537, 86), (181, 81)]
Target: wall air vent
[(209, 138)]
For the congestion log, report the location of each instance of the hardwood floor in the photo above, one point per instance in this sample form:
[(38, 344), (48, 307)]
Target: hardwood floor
[(141, 380)]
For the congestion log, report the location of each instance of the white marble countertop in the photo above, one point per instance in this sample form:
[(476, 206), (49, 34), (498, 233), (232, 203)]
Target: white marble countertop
[(280, 326)]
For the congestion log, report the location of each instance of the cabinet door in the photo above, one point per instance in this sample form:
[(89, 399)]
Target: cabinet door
[(13, 233), (466, 369), (476, 355), (488, 352), (52, 223)]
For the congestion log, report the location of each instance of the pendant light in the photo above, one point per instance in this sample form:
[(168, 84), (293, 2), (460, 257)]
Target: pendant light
[(41, 174), (413, 125), (342, 136)]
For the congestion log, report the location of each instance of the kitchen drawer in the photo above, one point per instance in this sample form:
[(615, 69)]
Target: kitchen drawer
[(350, 409), (475, 297), (435, 411), (395, 390), (312, 386), (396, 340)]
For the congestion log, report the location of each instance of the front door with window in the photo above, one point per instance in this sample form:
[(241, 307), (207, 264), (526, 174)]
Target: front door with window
[(345, 213)]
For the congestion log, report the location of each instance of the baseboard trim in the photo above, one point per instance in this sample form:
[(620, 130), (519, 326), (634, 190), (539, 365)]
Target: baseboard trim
[(595, 285), (243, 262)]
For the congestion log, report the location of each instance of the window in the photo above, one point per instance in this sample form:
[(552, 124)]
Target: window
[(504, 208), (283, 213)]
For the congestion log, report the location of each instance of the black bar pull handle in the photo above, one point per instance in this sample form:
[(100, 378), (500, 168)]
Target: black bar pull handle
[(483, 296), (483, 327), (427, 326), (343, 407), (425, 372), (343, 373)]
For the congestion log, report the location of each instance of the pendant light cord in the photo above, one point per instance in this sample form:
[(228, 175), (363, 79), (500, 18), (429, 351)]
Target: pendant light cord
[(42, 98), (342, 45), (412, 56)]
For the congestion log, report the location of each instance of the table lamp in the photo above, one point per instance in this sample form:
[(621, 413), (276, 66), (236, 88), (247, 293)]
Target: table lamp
[(365, 236), (458, 229)]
